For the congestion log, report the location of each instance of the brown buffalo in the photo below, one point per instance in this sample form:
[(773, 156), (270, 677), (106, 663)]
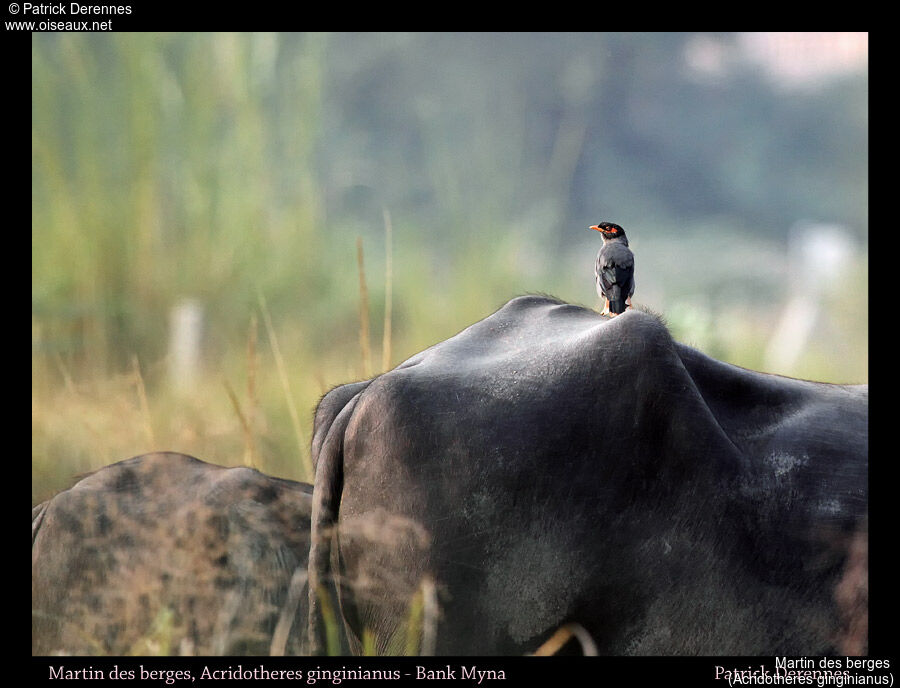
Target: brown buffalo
[(166, 554)]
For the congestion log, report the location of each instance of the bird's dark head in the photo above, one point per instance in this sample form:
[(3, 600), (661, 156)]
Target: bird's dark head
[(609, 230)]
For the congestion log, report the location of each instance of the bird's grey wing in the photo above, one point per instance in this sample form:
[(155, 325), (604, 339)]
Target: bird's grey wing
[(626, 272), (615, 266), (604, 272), (607, 278), (625, 277)]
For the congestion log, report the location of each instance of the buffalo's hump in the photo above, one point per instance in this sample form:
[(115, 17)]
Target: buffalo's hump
[(564, 466), (163, 553)]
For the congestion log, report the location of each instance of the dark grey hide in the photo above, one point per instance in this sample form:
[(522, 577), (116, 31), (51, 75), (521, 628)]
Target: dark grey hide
[(548, 465)]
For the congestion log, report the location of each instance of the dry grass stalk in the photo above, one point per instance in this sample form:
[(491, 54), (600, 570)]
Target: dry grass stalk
[(389, 591), (250, 454), (363, 312), (369, 645), (332, 629), (414, 625), (305, 460), (429, 617), (388, 292), (142, 397), (252, 397), (64, 371), (421, 623), (563, 634), (299, 580)]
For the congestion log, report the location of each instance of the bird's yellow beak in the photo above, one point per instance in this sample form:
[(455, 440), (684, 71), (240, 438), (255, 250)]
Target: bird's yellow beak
[(596, 227)]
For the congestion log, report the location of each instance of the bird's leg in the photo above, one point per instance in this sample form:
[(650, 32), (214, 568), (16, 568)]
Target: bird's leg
[(605, 307)]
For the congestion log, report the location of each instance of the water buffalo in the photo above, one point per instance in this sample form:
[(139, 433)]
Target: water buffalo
[(163, 553), (548, 465)]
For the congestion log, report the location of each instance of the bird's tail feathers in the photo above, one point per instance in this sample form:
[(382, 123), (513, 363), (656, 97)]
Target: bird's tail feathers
[(616, 300)]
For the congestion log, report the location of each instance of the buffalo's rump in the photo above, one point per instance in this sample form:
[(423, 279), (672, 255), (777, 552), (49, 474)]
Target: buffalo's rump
[(549, 465), (163, 553)]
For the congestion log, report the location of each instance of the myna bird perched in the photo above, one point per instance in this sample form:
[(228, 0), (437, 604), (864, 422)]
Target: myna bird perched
[(614, 270)]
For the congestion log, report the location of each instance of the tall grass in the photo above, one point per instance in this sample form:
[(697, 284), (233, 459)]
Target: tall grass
[(170, 166)]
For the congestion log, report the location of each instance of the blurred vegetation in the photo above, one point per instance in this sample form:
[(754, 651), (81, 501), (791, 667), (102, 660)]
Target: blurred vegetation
[(239, 171)]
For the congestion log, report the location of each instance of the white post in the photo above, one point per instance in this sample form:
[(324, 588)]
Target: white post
[(185, 327), (818, 254)]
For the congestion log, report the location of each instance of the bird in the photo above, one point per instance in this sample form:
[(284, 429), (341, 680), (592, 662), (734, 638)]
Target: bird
[(614, 269)]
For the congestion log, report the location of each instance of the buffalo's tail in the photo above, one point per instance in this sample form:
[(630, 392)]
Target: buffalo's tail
[(327, 488)]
